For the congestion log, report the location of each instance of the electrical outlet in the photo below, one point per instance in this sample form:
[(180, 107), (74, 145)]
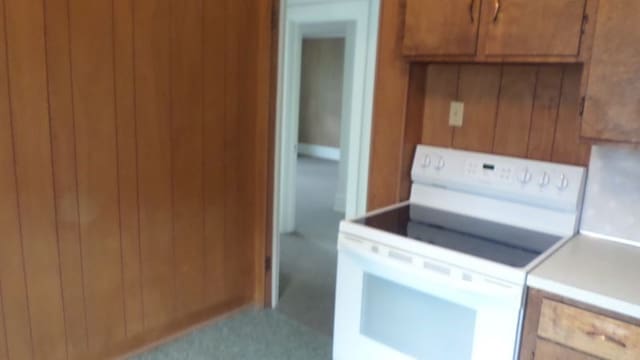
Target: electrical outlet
[(456, 113)]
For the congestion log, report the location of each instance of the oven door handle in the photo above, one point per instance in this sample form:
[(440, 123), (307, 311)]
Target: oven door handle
[(399, 260)]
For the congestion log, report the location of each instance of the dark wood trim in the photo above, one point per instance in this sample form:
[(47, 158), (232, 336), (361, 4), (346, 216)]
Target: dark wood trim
[(273, 98)]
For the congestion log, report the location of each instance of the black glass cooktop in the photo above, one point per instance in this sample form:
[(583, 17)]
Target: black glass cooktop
[(493, 241)]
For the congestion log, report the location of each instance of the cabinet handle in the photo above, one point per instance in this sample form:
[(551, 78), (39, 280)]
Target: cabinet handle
[(607, 338), (497, 10), (471, 6)]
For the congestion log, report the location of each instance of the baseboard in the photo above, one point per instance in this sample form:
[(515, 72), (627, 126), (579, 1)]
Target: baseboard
[(319, 151)]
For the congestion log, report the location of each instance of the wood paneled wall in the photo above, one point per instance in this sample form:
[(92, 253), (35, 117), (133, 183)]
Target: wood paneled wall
[(132, 168), (528, 111), (519, 110)]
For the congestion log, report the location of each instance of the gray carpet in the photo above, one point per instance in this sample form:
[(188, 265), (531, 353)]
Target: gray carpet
[(254, 334), (302, 325), (308, 256)]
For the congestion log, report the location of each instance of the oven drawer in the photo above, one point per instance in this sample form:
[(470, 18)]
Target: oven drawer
[(588, 332)]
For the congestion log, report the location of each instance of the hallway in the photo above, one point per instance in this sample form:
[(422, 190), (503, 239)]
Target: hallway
[(308, 256), (302, 325)]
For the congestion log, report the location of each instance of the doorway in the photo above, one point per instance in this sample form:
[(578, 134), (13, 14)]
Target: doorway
[(320, 180)]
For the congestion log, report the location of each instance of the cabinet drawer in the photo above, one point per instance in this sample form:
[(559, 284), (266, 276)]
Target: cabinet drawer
[(588, 332), (547, 350)]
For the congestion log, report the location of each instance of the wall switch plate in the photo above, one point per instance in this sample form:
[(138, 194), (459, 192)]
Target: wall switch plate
[(456, 113)]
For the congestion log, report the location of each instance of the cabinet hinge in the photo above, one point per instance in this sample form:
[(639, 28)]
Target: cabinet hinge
[(585, 22), (267, 263), (583, 100)]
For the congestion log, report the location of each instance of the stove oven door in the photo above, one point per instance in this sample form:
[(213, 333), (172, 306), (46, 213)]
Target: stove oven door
[(391, 305)]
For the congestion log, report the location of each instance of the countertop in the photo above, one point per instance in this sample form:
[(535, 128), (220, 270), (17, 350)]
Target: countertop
[(594, 271)]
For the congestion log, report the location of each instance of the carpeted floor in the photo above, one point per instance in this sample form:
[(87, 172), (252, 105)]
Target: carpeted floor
[(308, 256), (302, 325)]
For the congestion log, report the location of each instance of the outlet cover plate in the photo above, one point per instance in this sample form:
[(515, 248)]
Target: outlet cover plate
[(456, 113)]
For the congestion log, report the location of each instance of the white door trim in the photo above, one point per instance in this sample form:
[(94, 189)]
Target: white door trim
[(357, 21)]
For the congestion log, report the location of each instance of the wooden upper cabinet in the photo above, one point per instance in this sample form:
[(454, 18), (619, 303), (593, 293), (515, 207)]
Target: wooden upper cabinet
[(441, 27), (533, 27), (612, 103)]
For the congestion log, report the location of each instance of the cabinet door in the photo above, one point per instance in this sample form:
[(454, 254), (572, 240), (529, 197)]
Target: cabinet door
[(441, 27), (533, 27), (612, 104)]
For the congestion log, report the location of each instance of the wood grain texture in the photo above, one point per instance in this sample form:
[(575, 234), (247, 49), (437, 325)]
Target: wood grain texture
[(63, 147), (239, 124), (531, 320), (535, 347), (434, 27), (413, 125), (533, 28), (612, 107), (127, 164), (479, 88), (4, 351), (568, 146), (513, 121), (536, 116), (441, 90), (214, 111), (134, 141), (390, 98), (264, 148), (33, 168), (17, 320), (97, 168), (545, 112), (547, 350), (187, 157), (588, 332), (153, 121)]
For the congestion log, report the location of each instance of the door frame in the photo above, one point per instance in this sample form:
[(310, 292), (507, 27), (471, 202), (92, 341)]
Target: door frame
[(357, 21)]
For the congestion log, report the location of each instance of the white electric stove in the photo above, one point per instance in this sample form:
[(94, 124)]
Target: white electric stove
[(442, 276)]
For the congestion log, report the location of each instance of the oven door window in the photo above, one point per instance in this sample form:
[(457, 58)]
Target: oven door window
[(414, 323)]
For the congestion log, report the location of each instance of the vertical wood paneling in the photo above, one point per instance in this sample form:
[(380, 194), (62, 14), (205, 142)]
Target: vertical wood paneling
[(186, 120), (127, 164), (513, 121), (133, 158), (390, 98), (567, 147), (479, 87), (238, 125), (29, 104), (413, 126), (265, 98), (97, 168), (4, 352), (153, 124), (545, 112), (12, 276), (214, 73), (536, 117), (442, 89), (64, 171)]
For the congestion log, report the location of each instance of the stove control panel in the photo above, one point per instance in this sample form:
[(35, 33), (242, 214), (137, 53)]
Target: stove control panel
[(557, 185)]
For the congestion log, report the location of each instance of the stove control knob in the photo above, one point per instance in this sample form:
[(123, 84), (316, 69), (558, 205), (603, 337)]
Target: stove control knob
[(426, 162), (440, 163), (563, 182), (544, 179), (525, 176)]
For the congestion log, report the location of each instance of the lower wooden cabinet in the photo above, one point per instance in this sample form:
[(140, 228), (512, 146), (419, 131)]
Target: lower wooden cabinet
[(558, 328)]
